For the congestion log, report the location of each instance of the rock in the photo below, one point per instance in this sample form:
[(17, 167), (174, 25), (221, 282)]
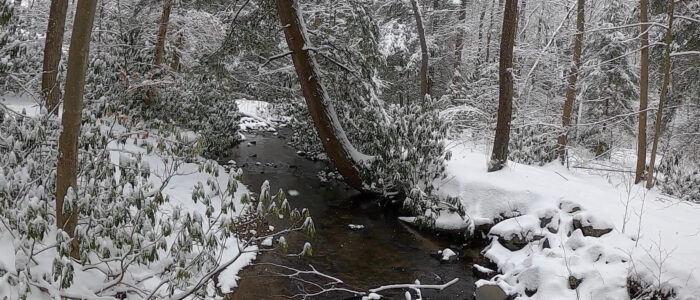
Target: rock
[(490, 292), (482, 272), (516, 242), (448, 256), (569, 206), (514, 234), (574, 282), (590, 225), (545, 244)]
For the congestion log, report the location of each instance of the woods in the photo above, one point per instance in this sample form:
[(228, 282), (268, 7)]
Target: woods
[(137, 139)]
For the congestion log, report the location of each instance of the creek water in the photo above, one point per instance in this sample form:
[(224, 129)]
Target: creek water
[(386, 251)]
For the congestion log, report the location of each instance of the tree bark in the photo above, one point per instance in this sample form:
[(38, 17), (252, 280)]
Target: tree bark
[(175, 64), (643, 94), (162, 32), (571, 88), (459, 40), (489, 31), (52, 54), (424, 84), (662, 96), (481, 29), (336, 144), (499, 156), (67, 168)]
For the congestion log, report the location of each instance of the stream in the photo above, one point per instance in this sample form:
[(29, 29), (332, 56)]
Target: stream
[(386, 251)]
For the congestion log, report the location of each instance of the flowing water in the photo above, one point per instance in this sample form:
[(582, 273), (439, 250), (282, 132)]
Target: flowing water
[(386, 251)]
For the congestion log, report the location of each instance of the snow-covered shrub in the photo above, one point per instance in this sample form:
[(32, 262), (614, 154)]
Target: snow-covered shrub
[(472, 101), (21, 50), (533, 145), (409, 150), (681, 177), (129, 229)]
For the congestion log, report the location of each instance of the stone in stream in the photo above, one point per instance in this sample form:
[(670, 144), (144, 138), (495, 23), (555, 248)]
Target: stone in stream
[(482, 272), (490, 292)]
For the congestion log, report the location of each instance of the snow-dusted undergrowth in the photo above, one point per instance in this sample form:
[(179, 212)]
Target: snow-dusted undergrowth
[(156, 220)]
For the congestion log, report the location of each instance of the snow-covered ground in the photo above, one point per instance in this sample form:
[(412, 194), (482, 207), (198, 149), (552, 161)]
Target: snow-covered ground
[(558, 213)]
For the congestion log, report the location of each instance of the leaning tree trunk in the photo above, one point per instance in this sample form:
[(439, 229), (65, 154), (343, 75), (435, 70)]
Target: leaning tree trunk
[(499, 156), (571, 88), (52, 54), (67, 168), (459, 40), (424, 84), (643, 94), (662, 96), (336, 144)]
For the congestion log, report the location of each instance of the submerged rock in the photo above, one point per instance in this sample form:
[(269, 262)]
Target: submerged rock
[(490, 292)]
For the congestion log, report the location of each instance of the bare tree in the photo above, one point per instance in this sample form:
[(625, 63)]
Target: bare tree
[(52, 54), (67, 167), (499, 156), (336, 144), (643, 94), (662, 96), (424, 84), (571, 88)]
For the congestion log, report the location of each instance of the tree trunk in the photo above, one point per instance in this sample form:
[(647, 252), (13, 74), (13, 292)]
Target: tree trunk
[(571, 88), (336, 144), (160, 45), (481, 29), (488, 32), (499, 156), (67, 168), (52, 54), (459, 40), (662, 96), (424, 84), (523, 20), (643, 94), (162, 32), (175, 64)]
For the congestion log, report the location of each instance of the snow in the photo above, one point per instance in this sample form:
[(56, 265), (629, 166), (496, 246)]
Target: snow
[(447, 254), (22, 104), (356, 227), (293, 193), (664, 257), (256, 115)]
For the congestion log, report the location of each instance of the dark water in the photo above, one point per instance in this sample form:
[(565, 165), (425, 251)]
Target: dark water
[(385, 252)]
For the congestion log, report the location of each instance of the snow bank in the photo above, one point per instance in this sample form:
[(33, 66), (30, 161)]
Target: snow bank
[(569, 233), (256, 115)]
